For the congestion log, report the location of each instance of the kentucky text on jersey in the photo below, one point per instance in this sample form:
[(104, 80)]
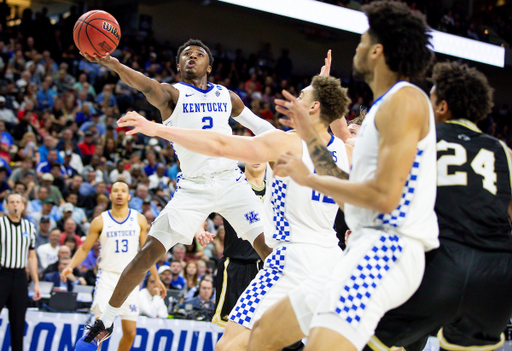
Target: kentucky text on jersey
[(205, 107), (118, 233)]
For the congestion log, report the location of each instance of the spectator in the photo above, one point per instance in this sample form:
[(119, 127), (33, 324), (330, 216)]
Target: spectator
[(6, 114), (120, 170), (47, 209), (152, 165), (95, 121), (4, 185), (87, 146), (70, 241), (64, 251), (43, 231), (48, 253), (47, 180), (190, 274), (204, 299), (151, 303), (68, 166), (70, 230), (164, 272), (140, 195), (178, 254), (45, 96), (17, 174), (177, 282), (46, 166), (159, 180), (91, 259), (49, 143)]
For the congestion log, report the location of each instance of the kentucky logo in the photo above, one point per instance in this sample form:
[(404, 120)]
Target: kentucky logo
[(133, 308), (25, 233), (217, 93), (110, 28), (252, 217)]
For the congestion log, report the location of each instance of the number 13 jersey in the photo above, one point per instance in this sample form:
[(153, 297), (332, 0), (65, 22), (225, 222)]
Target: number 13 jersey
[(119, 242), (473, 187), (208, 109)]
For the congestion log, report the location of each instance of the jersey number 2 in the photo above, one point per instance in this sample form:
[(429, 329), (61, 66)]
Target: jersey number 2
[(208, 123), (124, 245), (482, 164)]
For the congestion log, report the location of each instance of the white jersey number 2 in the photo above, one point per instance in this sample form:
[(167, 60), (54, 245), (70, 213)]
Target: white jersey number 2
[(482, 164)]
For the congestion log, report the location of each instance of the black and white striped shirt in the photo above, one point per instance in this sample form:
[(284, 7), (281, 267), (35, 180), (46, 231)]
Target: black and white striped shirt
[(16, 239)]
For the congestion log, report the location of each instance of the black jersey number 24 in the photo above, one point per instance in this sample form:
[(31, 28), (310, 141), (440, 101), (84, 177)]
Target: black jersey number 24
[(482, 164)]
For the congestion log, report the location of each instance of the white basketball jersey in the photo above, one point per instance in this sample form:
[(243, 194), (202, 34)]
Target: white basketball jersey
[(298, 214), (119, 242), (208, 109), (414, 217)]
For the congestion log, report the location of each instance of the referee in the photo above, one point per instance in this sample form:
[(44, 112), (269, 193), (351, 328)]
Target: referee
[(17, 250)]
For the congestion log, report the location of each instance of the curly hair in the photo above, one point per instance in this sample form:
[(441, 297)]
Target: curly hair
[(195, 42), (332, 96), (403, 33), (466, 90)]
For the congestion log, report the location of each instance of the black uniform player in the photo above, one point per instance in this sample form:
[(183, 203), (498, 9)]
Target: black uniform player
[(467, 285), (240, 262)]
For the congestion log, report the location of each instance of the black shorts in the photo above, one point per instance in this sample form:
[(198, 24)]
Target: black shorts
[(233, 277), (464, 290)]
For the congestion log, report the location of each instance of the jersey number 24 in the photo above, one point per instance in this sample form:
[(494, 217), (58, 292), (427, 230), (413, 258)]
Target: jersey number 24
[(482, 164)]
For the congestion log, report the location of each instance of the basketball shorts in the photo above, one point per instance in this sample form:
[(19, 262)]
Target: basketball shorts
[(227, 193), (233, 277), (379, 271), (105, 285), (465, 290), (288, 267)]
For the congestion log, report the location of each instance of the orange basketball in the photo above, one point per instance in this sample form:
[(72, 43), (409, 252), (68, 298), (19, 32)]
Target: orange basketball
[(97, 32)]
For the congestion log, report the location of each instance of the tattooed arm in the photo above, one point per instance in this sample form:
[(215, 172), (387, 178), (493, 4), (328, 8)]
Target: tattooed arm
[(322, 159)]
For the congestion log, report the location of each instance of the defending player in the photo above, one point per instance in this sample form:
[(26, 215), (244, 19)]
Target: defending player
[(298, 221), (389, 199), (467, 284), (121, 231), (209, 184)]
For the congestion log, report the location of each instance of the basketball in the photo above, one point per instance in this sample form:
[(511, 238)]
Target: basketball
[(96, 32)]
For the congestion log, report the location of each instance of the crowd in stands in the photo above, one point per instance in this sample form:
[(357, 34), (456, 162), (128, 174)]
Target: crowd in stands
[(487, 25), (61, 147)]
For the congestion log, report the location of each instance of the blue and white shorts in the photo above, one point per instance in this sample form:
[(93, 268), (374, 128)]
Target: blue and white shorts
[(287, 268), (379, 271)]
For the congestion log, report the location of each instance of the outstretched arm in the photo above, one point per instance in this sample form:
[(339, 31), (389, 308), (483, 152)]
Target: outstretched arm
[(298, 119), (158, 94), (263, 148), (247, 118)]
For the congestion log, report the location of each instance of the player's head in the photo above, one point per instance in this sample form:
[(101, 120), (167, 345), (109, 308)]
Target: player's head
[(398, 37), (460, 92), (326, 97), (256, 168), (120, 194), (194, 59)]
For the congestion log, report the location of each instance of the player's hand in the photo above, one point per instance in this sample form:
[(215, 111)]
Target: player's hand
[(106, 60), (290, 165), (139, 123), (37, 292), (161, 287), (204, 238), (156, 292), (64, 275), (326, 69), (297, 116)]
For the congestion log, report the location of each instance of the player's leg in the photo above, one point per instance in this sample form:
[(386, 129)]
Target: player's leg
[(277, 328), (235, 338), (17, 304), (129, 332), (322, 339), (244, 211)]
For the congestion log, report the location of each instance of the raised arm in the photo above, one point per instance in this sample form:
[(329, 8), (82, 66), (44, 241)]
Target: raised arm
[(162, 96), (401, 124), (247, 118), (80, 254), (263, 148), (298, 119)]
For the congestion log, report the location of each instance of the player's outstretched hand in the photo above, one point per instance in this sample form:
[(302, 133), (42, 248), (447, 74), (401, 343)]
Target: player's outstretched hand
[(297, 116), (290, 165), (204, 238), (106, 60), (139, 123), (67, 271), (326, 69)]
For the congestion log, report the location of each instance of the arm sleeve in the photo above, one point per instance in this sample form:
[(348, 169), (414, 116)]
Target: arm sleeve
[(252, 122)]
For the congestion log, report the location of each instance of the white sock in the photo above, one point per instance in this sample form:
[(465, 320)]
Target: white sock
[(108, 315)]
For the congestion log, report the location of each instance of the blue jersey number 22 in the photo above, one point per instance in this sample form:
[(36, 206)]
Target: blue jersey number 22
[(208, 123)]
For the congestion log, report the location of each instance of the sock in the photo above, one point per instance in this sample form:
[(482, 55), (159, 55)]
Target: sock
[(108, 315)]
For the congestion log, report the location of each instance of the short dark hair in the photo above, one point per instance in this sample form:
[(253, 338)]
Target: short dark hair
[(332, 96), (403, 33), (466, 90), (174, 261), (195, 42), (119, 181)]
